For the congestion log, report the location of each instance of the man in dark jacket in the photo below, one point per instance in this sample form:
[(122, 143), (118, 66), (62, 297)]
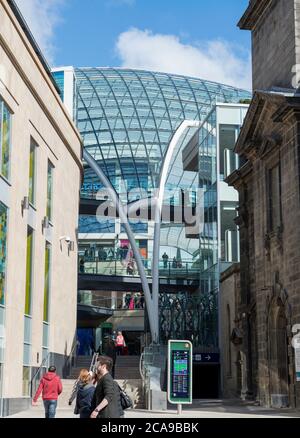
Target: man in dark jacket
[(50, 387), (106, 401)]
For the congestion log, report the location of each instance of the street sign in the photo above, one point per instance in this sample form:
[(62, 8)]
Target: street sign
[(180, 368), (206, 358)]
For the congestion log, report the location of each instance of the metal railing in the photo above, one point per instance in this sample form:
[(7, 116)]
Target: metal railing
[(38, 375), (128, 302), (70, 362), (94, 362), (175, 269)]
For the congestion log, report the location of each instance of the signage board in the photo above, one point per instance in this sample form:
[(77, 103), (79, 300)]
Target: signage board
[(180, 369), (207, 358)]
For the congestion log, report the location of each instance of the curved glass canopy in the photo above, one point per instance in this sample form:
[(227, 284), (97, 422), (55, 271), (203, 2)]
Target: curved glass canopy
[(127, 119)]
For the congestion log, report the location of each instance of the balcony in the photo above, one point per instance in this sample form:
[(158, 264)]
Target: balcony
[(175, 269)]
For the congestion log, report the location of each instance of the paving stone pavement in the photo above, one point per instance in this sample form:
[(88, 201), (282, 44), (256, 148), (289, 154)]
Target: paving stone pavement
[(199, 409)]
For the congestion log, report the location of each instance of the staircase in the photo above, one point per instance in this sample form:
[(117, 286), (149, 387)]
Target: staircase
[(127, 367), (127, 374), (82, 362)]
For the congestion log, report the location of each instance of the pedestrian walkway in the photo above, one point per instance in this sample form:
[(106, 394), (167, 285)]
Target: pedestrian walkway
[(199, 409)]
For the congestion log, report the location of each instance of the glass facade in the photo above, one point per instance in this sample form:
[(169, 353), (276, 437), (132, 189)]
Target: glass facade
[(60, 80), (5, 139), (3, 249), (32, 171), (127, 119), (47, 281), (29, 269), (49, 191)]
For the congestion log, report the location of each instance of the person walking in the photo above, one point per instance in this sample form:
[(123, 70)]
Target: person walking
[(165, 258), (85, 393), (106, 401), (76, 386), (51, 387), (132, 301), (109, 349), (81, 266), (120, 343)]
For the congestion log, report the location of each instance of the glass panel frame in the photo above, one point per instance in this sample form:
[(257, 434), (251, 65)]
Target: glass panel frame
[(32, 172), (5, 139), (3, 251)]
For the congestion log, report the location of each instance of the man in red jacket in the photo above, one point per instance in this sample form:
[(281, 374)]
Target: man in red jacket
[(50, 387)]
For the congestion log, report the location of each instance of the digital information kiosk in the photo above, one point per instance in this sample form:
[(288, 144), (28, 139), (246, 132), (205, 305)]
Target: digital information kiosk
[(180, 370)]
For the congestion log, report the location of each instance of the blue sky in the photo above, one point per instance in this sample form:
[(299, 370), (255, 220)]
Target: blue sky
[(194, 37)]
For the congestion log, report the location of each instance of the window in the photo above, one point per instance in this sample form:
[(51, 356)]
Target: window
[(26, 381), (47, 281), (49, 191), (5, 134), (3, 238), (228, 159), (32, 166), (29, 266), (274, 201)]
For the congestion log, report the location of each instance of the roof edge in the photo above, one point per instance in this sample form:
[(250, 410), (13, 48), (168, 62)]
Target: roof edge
[(22, 22), (252, 14)]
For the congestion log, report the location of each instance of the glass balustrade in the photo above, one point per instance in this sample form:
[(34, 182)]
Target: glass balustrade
[(175, 269)]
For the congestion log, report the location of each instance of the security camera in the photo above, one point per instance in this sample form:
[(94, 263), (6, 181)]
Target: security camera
[(66, 238)]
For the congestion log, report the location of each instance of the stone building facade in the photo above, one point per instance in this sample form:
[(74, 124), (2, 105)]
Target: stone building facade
[(233, 360), (40, 178), (275, 27), (268, 182)]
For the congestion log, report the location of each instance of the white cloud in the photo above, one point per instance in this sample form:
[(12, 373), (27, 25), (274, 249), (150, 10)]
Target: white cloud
[(215, 60), (42, 17)]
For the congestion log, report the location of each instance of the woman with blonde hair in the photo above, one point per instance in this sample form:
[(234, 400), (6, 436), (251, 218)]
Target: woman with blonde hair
[(85, 392)]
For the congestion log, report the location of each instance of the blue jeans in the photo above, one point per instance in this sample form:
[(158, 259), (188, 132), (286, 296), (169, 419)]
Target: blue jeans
[(50, 408)]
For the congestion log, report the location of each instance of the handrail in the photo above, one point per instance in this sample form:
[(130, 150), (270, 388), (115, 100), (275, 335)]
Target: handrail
[(38, 371), (71, 355), (93, 265), (93, 362), (141, 367)]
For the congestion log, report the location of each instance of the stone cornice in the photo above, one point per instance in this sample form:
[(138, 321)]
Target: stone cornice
[(254, 11), (291, 110), (245, 139), (236, 178)]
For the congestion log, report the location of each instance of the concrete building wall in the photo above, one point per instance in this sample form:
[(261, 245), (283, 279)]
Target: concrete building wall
[(37, 113)]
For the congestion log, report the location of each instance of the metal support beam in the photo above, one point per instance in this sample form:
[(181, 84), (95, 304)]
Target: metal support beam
[(186, 124), (123, 216), (151, 301)]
